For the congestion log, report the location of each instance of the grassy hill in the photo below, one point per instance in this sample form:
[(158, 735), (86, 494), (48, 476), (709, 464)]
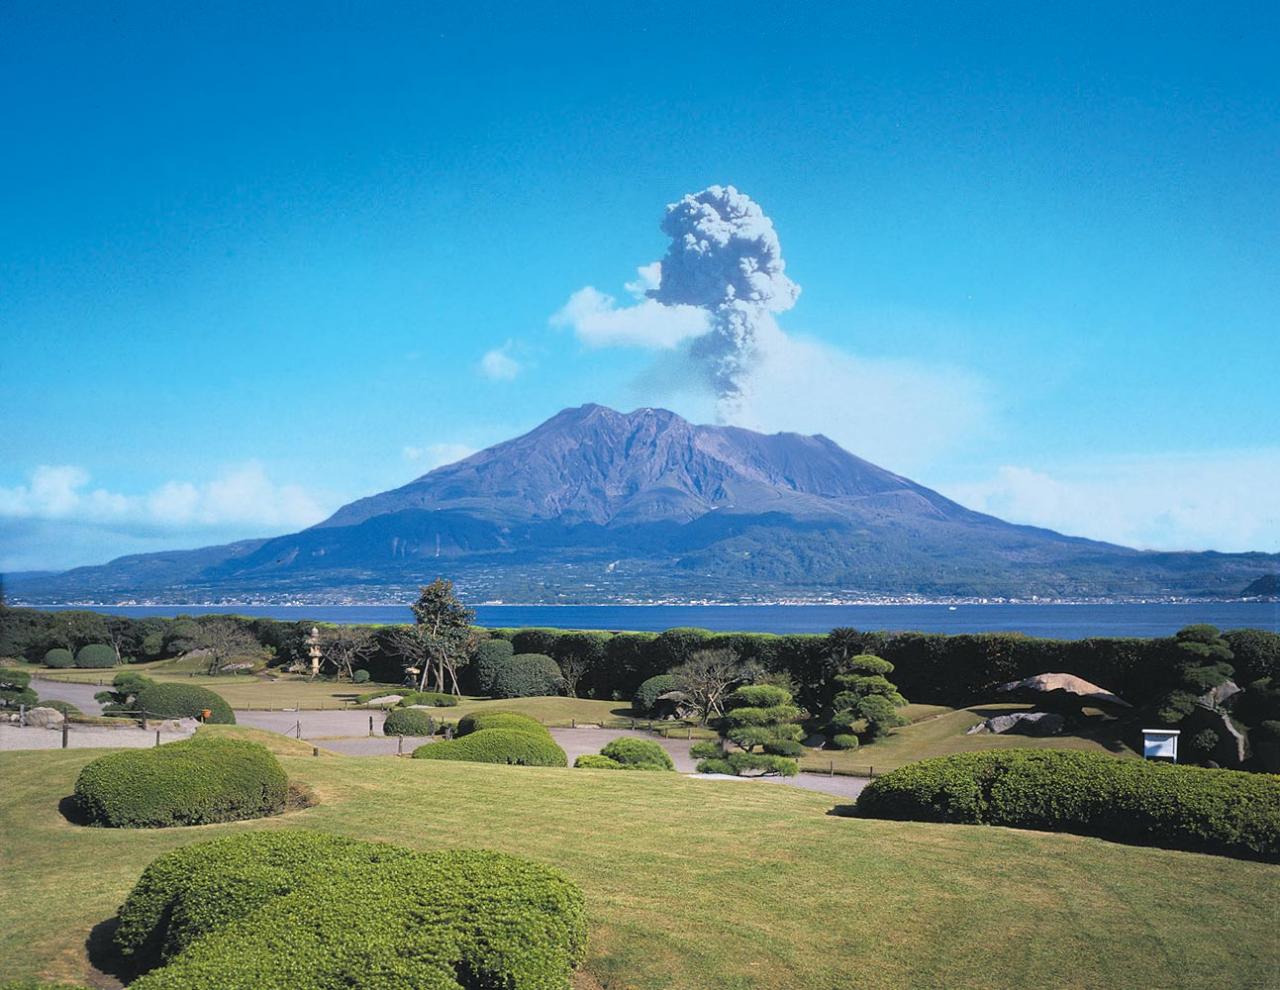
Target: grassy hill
[(695, 883)]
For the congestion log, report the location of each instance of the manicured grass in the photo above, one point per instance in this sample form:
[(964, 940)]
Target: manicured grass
[(940, 731), (693, 884)]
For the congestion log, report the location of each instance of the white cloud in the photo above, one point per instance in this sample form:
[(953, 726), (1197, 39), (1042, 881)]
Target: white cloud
[(1214, 501), (499, 365), (434, 455), (243, 496), (599, 321)]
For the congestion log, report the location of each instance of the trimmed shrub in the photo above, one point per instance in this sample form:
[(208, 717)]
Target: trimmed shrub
[(750, 765), (14, 688), (640, 753), (409, 722), (360, 676), (477, 721), (1227, 812), (38, 985), (784, 747), (96, 656), (706, 749), (489, 655), (432, 699), (526, 675), (193, 782), (648, 693), (172, 700), (845, 740), (59, 658), (594, 761), (514, 746), (307, 911)]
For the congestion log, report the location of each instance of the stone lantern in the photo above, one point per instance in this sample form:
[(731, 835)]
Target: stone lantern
[(313, 650)]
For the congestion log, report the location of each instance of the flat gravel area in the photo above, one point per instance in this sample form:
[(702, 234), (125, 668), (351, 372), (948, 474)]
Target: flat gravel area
[(348, 732), (83, 737)]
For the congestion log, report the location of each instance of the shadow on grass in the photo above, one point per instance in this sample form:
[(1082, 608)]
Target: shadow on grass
[(69, 808), (101, 949), (844, 811)]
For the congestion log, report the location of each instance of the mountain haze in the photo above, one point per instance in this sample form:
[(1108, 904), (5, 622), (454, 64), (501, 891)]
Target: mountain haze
[(597, 505)]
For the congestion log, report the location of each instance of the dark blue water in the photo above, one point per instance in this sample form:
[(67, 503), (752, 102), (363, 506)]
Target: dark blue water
[(1055, 621)]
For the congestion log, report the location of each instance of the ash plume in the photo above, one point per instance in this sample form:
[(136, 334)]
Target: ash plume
[(725, 258)]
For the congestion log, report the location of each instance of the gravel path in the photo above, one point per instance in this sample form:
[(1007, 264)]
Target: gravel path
[(348, 732), (84, 737)]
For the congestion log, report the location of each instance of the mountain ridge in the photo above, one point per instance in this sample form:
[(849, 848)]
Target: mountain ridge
[(595, 504)]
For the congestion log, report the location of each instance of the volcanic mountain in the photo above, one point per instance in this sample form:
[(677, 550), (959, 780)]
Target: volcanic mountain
[(597, 505)]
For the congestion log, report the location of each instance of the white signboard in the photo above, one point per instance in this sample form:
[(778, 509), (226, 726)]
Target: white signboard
[(1160, 744)]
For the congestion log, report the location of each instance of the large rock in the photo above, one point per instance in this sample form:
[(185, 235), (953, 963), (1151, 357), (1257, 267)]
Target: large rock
[(1218, 697), (385, 701), (1065, 687), (45, 717), (1021, 724)]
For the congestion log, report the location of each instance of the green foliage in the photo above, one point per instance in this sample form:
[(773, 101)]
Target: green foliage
[(174, 700), (181, 636), (880, 714), (750, 765), (645, 700), (1179, 807), (706, 749), (1266, 746), (96, 656), (433, 699), (1201, 658), (1255, 653), (478, 721), (867, 702), (632, 752), (755, 715), (846, 741), (37, 985), (193, 782), (298, 910), (527, 675), (488, 657), (409, 722), (15, 688), (360, 676), (784, 747), (66, 707), (59, 658), (514, 746), (594, 761)]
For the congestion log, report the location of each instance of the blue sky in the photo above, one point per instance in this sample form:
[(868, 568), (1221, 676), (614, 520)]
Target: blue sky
[(255, 264)]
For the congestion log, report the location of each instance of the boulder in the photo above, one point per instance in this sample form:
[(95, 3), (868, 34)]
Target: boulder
[(1216, 698), (45, 717), (1064, 688), (1021, 724), (384, 701)]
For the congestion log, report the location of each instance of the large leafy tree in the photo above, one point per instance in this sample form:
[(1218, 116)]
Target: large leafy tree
[(342, 647), (442, 638)]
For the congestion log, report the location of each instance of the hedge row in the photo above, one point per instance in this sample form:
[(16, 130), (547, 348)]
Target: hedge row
[(193, 782), (302, 911), (1228, 812)]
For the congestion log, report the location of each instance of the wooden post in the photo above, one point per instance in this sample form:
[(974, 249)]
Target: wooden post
[(831, 768), (400, 746), (573, 723), (315, 750), (157, 737), (64, 733), (370, 725), (299, 730)]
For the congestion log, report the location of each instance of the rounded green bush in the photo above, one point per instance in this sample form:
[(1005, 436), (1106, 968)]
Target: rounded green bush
[(633, 752), (706, 749), (96, 656), (477, 721), (845, 740), (490, 654), (409, 722), (193, 782), (307, 911), (526, 675), (59, 658), (1228, 812), (360, 676), (173, 700), (513, 746), (594, 761), (784, 747), (432, 699), (647, 694)]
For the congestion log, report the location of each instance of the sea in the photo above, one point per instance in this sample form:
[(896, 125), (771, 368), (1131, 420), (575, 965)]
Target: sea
[(1057, 621)]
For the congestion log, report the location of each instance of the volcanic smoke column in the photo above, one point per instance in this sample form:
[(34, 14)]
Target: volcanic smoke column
[(725, 258)]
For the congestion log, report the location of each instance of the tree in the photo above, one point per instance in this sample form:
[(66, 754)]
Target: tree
[(868, 702), (1201, 663), (706, 678), (442, 638), (578, 654), (342, 647), (755, 715), (223, 639)]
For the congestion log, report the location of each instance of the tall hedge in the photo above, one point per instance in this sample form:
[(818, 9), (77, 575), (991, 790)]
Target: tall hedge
[(490, 654), (1228, 812), (193, 782), (304, 911), (175, 700)]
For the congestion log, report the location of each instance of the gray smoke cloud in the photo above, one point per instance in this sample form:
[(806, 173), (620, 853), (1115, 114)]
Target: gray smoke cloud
[(725, 258)]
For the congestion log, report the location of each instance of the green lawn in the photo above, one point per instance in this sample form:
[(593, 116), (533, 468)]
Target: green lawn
[(939, 731), (723, 885)]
